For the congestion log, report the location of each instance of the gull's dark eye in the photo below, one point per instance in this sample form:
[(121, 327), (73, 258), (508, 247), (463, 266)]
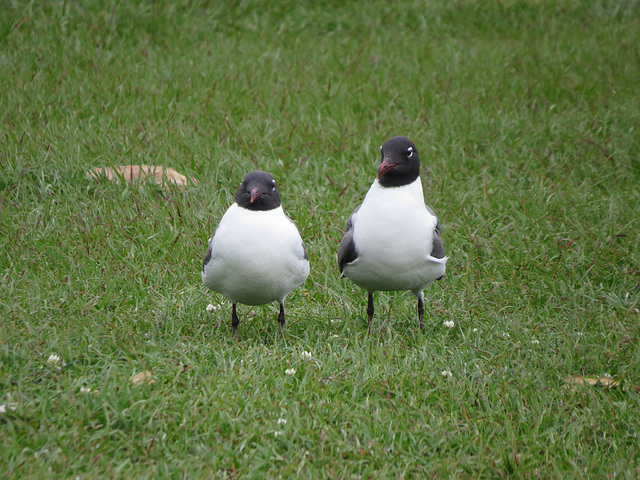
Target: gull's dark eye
[(410, 152), (273, 185)]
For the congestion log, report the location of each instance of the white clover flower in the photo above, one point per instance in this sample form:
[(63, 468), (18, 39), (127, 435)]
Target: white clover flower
[(306, 355), (506, 335), (282, 421), (447, 373), (475, 330), (55, 360), (212, 308), (335, 336), (85, 390), (621, 405), (277, 433), (290, 371), (8, 406), (449, 324), (535, 342)]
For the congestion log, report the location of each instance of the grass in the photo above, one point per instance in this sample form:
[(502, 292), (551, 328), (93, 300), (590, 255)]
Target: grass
[(526, 115)]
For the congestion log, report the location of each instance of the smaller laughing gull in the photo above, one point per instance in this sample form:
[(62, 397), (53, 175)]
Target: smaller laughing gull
[(392, 240), (256, 254)]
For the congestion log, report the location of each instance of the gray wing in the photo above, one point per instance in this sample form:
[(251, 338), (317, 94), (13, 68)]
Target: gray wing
[(209, 254), (438, 246), (347, 251), (437, 249), (304, 247)]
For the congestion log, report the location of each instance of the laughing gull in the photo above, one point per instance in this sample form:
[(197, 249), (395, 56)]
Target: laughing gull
[(256, 254), (392, 240)]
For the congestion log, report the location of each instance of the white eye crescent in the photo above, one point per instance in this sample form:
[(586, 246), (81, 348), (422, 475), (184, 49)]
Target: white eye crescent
[(273, 185), (410, 152)]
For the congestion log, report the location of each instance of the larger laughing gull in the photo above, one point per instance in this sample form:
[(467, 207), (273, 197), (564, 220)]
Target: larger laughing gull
[(256, 254), (392, 240)]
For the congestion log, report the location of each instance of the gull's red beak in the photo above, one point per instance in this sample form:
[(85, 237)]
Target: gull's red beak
[(385, 166), (255, 194)]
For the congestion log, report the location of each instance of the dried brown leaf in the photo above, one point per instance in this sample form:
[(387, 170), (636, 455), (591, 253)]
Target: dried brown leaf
[(593, 381), (142, 377), (163, 176)]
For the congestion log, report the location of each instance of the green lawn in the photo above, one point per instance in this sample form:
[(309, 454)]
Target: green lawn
[(527, 118)]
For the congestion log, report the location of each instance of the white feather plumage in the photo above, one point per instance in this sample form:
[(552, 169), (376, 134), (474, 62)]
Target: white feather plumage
[(393, 234), (257, 256)]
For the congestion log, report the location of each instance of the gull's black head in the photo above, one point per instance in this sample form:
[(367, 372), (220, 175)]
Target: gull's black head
[(400, 164), (258, 191)]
